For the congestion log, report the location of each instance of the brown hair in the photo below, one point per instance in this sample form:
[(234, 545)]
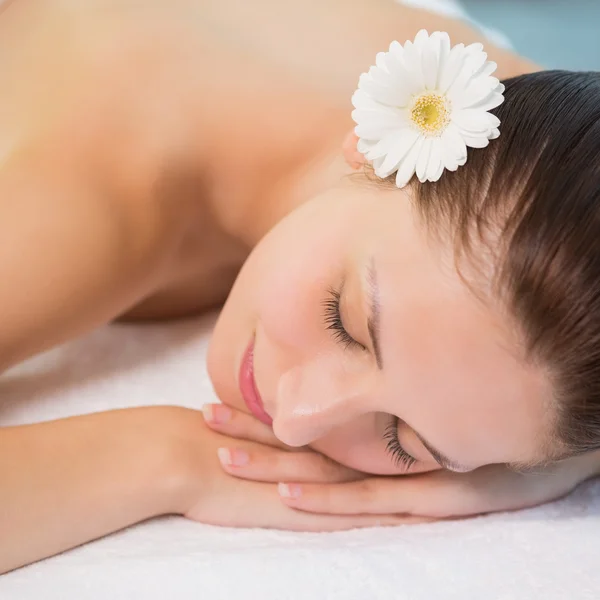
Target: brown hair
[(536, 190)]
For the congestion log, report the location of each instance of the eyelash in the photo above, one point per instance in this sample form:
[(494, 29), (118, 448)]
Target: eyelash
[(400, 457), (334, 323)]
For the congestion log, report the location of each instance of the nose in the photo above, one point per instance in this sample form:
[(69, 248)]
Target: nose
[(318, 395)]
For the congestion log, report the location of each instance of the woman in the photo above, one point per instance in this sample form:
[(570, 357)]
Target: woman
[(150, 150)]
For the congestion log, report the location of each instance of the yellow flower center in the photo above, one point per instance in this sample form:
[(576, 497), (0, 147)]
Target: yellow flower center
[(431, 113)]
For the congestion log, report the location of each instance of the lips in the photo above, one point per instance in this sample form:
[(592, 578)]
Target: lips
[(248, 387)]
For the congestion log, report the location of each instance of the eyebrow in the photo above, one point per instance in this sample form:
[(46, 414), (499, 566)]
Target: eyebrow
[(374, 318)]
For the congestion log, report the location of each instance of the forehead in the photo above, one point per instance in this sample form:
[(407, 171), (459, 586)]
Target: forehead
[(456, 369)]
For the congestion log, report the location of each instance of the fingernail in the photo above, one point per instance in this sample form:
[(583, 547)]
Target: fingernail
[(233, 458), (289, 490), (216, 413)]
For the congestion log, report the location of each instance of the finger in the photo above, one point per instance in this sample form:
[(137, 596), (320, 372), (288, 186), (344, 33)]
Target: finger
[(259, 506), (237, 424), (323, 523), (262, 463), (438, 495)]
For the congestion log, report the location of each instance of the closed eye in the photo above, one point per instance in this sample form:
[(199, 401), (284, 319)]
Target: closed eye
[(334, 323), (398, 454)]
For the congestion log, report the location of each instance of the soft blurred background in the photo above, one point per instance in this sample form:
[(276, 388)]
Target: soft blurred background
[(559, 34)]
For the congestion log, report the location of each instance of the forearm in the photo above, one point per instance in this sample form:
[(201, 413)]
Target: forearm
[(66, 482)]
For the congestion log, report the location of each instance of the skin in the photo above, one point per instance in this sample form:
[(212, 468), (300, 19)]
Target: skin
[(451, 370), (149, 150)]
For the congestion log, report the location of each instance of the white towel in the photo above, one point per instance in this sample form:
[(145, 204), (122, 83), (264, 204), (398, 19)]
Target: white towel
[(550, 552)]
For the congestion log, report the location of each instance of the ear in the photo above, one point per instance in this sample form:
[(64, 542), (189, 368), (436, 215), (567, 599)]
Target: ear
[(352, 156)]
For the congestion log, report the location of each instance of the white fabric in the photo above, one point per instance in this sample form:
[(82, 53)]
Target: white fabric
[(550, 553)]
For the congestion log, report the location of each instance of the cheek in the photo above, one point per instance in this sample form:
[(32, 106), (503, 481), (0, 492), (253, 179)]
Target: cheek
[(289, 308), (279, 295), (359, 445), (295, 278), (366, 454)]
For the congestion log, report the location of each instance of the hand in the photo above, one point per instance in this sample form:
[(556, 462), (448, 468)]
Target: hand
[(443, 494), (312, 483), (207, 493)]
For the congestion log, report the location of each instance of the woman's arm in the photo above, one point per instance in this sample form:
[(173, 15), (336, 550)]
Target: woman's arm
[(67, 482), (72, 259), (64, 483)]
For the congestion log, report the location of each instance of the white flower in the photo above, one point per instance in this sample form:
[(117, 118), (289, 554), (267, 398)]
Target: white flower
[(422, 104)]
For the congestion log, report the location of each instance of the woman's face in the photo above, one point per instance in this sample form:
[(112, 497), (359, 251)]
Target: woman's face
[(362, 328)]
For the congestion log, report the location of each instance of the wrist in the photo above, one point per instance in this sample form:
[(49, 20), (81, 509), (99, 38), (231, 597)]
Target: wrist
[(174, 452), (159, 442)]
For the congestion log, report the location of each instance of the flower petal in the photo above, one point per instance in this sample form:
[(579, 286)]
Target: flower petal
[(378, 126), (452, 67), (435, 160), (474, 59), (408, 165), (412, 64), (377, 163), (393, 117), (381, 148), (488, 68), (476, 141), (445, 48), (396, 49), (477, 91), (364, 146), (401, 146), (400, 74), (438, 174), (475, 121), (453, 142), (491, 101), (407, 79), (494, 135), (378, 149), (380, 76), (430, 58), (477, 58), (449, 159), (421, 40), (380, 61), (423, 160), (385, 94), (360, 99)]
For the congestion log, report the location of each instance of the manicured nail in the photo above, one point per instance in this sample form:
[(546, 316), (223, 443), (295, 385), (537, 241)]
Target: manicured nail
[(233, 458), (289, 490), (216, 413)]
